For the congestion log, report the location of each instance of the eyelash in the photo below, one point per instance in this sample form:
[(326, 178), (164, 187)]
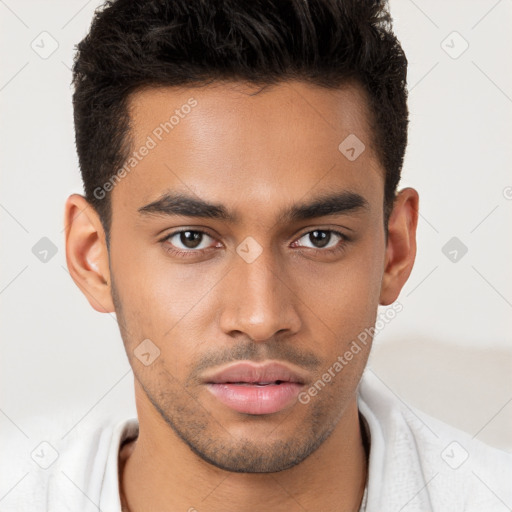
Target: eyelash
[(192, 252)]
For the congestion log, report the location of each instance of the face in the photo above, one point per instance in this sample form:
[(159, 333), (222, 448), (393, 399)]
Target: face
[(244, 235)]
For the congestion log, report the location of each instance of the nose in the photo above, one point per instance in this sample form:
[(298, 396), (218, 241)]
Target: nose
[(258, 299)]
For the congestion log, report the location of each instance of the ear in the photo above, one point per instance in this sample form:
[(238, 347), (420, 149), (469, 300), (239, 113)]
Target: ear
[(86, 253), (401, 245)]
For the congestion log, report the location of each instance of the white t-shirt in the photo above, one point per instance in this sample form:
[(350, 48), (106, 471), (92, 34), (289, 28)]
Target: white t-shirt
[(416, 464)]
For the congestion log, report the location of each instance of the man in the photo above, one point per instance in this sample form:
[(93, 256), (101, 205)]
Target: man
[(241, 217)]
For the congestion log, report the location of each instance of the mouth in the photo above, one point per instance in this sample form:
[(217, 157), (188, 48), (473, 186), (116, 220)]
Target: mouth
[(256, 388), (277, 382)]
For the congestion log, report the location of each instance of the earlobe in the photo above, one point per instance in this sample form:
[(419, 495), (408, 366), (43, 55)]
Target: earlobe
[(86, 253), (401, 245)]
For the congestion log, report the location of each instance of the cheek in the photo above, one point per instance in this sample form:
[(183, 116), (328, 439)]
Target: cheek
[(344, 294), (166, 303), (346, 301), (157, 289)]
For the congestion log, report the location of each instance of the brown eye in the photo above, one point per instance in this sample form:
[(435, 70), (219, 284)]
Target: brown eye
[(322, 239), (188, 240)]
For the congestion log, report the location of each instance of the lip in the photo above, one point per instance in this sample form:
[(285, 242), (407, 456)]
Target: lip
[(256, 388)]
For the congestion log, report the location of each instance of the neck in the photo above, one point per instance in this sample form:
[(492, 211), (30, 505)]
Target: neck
[(159, 472)]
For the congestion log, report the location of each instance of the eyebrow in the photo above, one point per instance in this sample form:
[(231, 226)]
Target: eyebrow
[(171, 204)]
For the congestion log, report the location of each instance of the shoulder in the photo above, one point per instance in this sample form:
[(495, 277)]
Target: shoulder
[(60, 467), (428, 462)]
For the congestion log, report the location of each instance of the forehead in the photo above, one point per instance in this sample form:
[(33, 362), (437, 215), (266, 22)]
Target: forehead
[(229, 142)]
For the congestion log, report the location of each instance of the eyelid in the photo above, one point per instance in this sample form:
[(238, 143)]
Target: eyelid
[(182, 230), (300, 235), (343, 239), (335, 230)]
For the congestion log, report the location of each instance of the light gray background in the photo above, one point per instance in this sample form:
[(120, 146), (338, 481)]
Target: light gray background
[(449, 350)]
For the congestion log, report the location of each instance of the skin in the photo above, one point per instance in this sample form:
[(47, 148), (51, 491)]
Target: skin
[(295, 303)]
